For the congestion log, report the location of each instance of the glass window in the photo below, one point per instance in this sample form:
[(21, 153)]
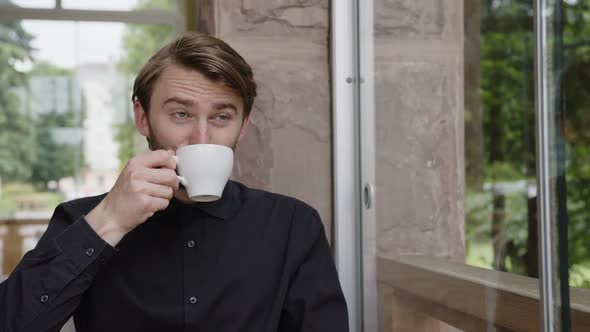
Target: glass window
[(30, 3), (574, 130), (66, 123), (500, 195), (447, 91), (501, 192), (120, 4)]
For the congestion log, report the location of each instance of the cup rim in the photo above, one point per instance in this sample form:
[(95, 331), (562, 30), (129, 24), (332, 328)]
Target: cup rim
[(216, 146)]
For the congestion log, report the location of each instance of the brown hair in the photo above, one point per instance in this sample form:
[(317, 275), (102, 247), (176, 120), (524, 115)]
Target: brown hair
[(206, 54)]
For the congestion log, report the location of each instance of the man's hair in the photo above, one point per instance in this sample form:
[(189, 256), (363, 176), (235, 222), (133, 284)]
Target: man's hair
[(206, 54)]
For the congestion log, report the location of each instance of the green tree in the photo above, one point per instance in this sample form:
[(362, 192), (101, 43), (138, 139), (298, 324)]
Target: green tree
[(507, 49), (48, 69), (507, 105), (54, 160), (576, 133), (16, 139), (140, 42)]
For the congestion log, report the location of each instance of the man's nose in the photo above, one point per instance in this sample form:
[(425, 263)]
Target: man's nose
[(200, 134)]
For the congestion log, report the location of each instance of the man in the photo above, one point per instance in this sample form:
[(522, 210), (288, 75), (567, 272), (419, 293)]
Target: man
[(144, 257)]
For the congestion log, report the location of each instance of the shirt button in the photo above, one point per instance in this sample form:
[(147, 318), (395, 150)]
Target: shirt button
[(192, 300), (89, 252), (44, 298), (191, 243)]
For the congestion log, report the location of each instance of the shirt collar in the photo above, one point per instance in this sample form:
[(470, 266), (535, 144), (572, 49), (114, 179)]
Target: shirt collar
[(223, 208)]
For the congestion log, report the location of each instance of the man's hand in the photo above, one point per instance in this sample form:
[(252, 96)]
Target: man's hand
[(145, 186)]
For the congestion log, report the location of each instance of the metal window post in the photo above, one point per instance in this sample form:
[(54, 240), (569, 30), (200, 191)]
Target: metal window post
[(346, 157), (550, 169)]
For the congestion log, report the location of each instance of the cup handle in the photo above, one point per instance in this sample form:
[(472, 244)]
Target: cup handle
[(180, 178)]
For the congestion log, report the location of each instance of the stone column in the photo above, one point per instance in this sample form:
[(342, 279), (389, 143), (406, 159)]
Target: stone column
[(287, 148), (419, 136)]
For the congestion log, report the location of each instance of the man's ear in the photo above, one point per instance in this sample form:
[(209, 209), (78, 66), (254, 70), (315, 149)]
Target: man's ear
[(244, 125), (141, 119)]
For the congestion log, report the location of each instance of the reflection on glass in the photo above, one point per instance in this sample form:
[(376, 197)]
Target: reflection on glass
[(500, 175), (576, 134), (419, 229), (501, 188), (65, 111)]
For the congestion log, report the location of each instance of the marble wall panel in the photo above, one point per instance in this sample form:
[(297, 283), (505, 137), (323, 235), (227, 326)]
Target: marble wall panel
[(287, 148), (418, 19), (419, 137), (419, 190)]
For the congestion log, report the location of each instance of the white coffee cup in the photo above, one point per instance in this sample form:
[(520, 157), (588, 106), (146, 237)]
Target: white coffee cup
[(204, 170)]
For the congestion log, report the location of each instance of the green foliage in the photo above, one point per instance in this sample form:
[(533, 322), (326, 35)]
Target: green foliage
[(509, 134), (139, 42), (16, 150), (124, 136), (46, 68), (54, 161), (15, 192), (500, 171), (478, 211)]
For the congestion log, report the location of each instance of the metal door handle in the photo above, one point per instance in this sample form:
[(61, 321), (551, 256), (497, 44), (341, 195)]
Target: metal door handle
[(368, 195)]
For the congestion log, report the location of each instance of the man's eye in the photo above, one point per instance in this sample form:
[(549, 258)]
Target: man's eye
[(222, 117), (181, 115)]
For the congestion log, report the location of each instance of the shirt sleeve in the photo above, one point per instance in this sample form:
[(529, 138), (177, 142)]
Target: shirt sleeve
[(47, 285), (314, 299)]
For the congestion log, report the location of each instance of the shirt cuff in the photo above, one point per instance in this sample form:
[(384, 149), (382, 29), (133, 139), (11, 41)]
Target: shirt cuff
[(83, 246)]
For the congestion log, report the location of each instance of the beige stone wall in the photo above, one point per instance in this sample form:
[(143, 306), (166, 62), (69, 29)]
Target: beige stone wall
[(287, 148), (419, 117), (419, 135)]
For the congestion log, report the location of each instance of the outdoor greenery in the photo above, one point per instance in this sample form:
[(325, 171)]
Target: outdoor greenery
[(53, 160), (501, 220), (16, 193), (139, 42), (16, 136), (28, 151), (39, 144)]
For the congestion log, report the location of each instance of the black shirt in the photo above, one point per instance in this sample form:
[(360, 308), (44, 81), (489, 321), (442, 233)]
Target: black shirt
[(251, 261)]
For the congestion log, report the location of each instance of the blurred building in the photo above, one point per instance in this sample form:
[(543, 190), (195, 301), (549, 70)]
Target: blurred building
[(98, 92)]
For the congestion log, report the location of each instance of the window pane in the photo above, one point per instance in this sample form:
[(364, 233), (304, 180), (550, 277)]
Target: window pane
[(65, 113), (30, 3), (427, 245), (456, 165), (500, 197), (120, 4), (576, 135), (570, 56)]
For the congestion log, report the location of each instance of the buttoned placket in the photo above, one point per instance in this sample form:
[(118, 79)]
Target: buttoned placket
[(191, 252)]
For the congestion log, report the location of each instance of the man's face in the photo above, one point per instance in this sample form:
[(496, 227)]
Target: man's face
[(188, 108)]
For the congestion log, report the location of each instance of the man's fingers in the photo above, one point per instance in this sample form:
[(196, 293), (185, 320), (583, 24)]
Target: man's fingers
[(161, 204), (162, 176), (158, 190), (155, 204), (158, 158)]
